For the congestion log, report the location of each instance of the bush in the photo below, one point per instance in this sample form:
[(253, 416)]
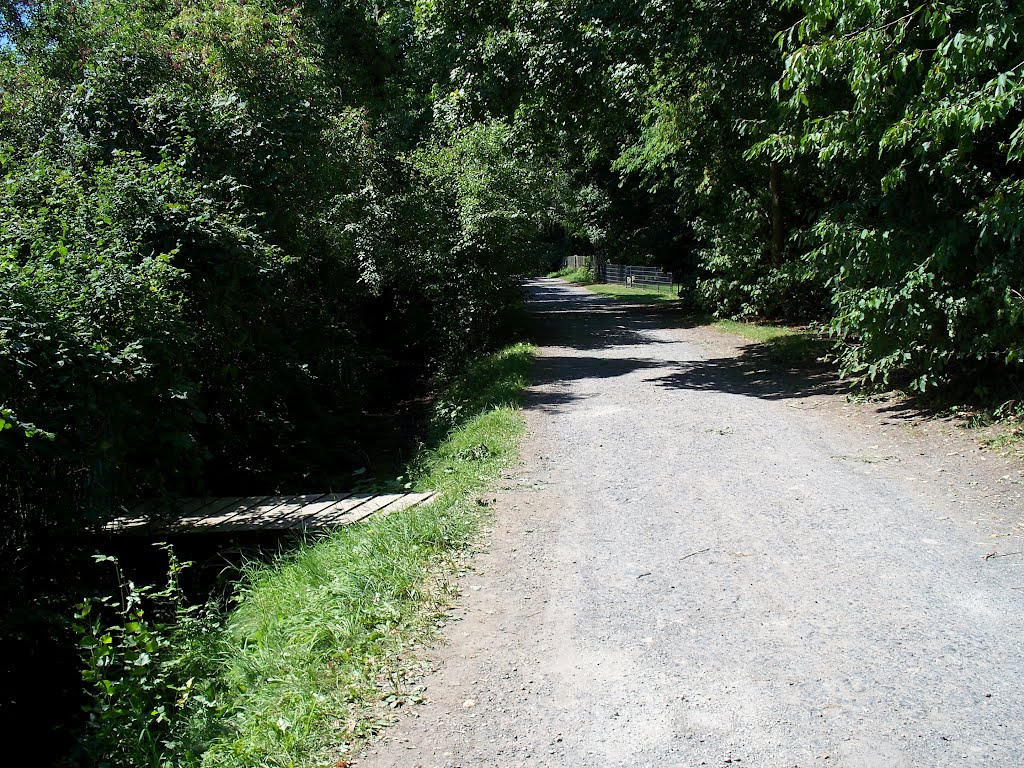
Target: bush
[(923, 252), (146, 664), (582, 275)]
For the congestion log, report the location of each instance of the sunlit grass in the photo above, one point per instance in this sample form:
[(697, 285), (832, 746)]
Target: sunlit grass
[(782, 343), (758, 332), (578, 275), (321, 635), (629, 293)]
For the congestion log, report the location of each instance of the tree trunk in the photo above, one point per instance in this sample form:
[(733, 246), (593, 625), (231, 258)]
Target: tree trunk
[(778, 225)]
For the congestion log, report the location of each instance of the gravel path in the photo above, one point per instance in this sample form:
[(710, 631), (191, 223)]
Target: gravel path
[(703, 563)]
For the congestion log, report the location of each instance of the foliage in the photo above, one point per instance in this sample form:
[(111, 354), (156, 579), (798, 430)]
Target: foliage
[(582, 275), (230, 233), (223, 239), (701, 97), (919, 105), (317, 638), (148, 680), (232, 230), (496, 380)]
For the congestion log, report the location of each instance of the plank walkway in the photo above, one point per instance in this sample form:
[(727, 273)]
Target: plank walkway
[(265, 513)]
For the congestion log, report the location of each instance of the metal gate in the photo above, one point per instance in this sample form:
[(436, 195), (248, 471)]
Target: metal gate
[(639, 277)]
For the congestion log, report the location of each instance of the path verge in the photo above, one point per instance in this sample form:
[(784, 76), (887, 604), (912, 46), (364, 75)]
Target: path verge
[(322, 641)]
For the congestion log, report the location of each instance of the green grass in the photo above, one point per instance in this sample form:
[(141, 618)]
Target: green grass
[(636, 295), (756, 332), (579, 275), (782, 343), (321, 638)]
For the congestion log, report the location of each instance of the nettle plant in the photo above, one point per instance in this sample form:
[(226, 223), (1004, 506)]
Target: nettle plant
[(148, 697)]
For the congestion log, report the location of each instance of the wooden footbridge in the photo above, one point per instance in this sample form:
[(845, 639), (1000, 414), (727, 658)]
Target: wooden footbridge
[(263, 513)]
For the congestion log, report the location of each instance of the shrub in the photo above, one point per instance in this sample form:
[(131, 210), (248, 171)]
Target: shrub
[(149, 682)]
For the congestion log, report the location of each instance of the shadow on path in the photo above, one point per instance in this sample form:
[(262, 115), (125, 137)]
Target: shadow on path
[(564, 317), (755, 373)]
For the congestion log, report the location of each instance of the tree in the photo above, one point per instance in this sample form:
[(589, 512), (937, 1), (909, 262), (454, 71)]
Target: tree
[(913, 113)]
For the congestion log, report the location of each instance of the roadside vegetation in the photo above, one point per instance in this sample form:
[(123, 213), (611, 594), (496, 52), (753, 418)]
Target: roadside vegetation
[(238, 238), (318, 643), (784, 344), (577, 275), (634, 294)]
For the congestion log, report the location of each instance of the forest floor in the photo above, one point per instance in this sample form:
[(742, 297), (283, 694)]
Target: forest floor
[(709, 559)]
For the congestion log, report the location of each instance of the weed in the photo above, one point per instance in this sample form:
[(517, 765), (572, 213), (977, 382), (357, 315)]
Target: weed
[(1003, 425), (143, 665)]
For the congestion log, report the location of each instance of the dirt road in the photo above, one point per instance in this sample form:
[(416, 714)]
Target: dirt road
[(701, 563)]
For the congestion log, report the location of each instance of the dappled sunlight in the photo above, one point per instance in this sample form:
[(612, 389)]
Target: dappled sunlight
[(566, 318)]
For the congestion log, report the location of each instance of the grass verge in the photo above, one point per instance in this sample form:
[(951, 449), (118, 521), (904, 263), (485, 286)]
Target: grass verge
[(579, 275), (321, 638), (636, 295), (783, 344)]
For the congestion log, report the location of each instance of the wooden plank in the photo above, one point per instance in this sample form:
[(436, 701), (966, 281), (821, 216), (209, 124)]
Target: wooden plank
[(144, 513), (225, 513), (342, 508), (274, 512), (371, 505), (248, 518), (375, 504), (290, 511), (313, 516), (213, 511), (305, 511), (325, 502), (126, 523), (416, 499)]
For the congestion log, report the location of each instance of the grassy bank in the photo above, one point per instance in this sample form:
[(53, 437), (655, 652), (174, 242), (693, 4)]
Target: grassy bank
[(322, 640), (322, 636)]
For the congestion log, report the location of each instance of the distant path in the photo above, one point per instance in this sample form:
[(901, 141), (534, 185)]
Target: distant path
[(700, 564)]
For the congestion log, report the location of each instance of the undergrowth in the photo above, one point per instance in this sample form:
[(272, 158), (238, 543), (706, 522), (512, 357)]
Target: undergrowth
[(999, 427), (322, 638), (579, 275)]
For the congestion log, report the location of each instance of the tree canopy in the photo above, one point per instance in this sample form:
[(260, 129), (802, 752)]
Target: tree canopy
[(233, 232), (228, 226)]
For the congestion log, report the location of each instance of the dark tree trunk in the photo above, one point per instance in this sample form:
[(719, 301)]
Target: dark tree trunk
[(778, 225)]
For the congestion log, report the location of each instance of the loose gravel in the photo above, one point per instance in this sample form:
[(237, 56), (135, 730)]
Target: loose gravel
[(705, 560)]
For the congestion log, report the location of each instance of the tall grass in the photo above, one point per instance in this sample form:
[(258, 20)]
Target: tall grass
[(321, 637)]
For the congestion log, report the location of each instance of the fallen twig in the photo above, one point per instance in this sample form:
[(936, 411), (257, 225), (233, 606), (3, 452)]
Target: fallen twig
[(698, 552), (992, 555)]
